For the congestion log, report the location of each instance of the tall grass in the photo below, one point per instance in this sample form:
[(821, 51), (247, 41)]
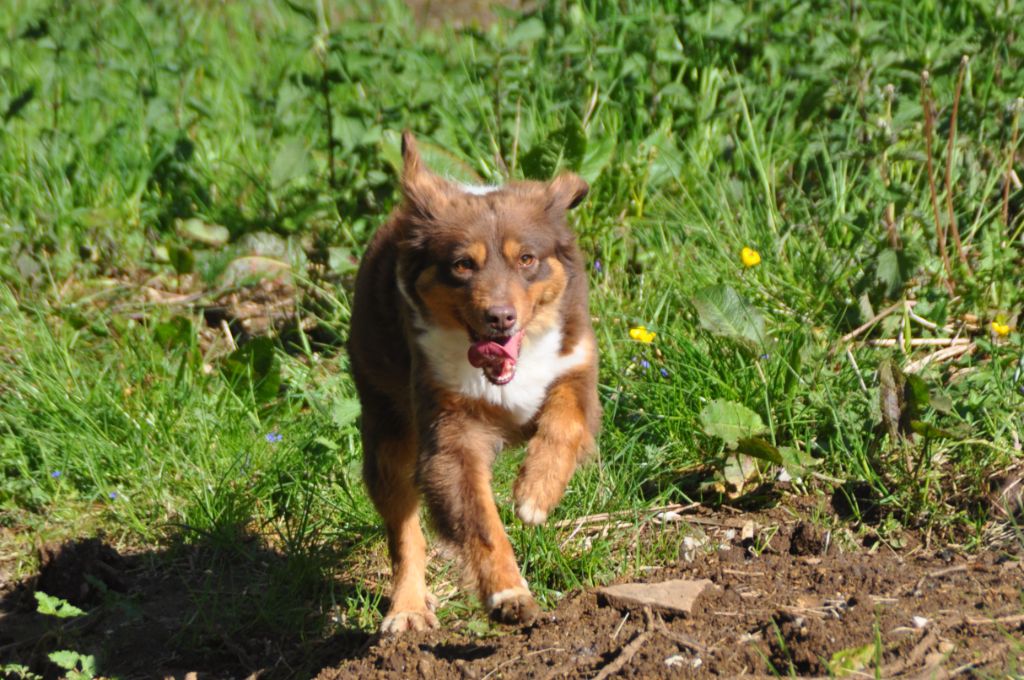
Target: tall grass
[(703, 128)]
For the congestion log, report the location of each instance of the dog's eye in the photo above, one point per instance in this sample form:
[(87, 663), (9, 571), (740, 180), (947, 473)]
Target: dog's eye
[(463, 265), (527, 260)]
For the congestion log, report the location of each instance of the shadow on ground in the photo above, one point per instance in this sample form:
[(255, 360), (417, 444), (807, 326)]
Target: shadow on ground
[(229, 612)]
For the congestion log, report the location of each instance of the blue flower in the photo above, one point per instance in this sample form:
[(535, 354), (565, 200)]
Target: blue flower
[(274, 437), (645, 364), (597, 266), (112, 495), (56, 473), (664, 372)]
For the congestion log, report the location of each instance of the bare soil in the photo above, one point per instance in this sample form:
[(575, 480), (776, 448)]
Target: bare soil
[(789, 599), (796, 606)]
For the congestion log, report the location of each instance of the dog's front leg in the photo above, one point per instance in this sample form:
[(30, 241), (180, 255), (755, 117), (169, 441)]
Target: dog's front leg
[(455, 476), (566, 426)]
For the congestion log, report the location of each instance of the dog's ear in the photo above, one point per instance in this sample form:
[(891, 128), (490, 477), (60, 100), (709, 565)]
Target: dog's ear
[(566, 191), (410, 155), (424, 191)]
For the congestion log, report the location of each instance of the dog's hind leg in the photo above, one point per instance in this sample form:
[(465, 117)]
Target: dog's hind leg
[(389, 469), (455, 474)]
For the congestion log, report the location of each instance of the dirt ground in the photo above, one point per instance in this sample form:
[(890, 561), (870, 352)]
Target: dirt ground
[(789, 599), (801, 607)]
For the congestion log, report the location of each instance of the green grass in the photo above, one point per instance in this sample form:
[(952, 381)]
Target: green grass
[(702, 128)]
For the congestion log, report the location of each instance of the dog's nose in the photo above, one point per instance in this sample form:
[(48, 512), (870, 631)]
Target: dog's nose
[(501, 318)]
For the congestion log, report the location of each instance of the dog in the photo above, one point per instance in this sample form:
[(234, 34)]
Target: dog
[(470, 331)]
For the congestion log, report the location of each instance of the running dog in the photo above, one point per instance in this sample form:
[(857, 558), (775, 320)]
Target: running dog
[(470, 332)]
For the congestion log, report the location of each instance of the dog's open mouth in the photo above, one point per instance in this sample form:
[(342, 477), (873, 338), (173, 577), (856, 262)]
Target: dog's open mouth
[(497, 355)]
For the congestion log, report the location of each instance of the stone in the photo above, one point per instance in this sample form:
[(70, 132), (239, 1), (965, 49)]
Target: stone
[(672, 597)]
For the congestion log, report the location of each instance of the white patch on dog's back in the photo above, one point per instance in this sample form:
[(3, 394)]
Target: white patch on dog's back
[(477, 189), (539, 364)]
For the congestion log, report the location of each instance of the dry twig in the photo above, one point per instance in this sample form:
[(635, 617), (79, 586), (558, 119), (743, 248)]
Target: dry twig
[(875, 319), (938, 357), (629, 650)]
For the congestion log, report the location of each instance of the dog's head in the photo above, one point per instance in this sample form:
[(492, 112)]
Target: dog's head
[(492, 262)]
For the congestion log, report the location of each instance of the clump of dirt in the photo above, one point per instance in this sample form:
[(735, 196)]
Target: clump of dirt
[(807, 539)]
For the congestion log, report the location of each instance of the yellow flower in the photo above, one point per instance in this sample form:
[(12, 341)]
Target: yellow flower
[(1000, 328), (750, 257), (641, 334)]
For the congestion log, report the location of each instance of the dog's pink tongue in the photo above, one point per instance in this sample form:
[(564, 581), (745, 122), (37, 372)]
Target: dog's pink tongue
[(498, 360)]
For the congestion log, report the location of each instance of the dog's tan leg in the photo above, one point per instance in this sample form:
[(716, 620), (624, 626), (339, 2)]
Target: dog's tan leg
[(389, 471), (456, 478), (564, 436)]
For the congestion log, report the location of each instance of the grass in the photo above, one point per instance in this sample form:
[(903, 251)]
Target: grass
[(795, 130)]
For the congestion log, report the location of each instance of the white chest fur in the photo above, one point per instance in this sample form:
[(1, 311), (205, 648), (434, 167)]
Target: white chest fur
[(539, 364)]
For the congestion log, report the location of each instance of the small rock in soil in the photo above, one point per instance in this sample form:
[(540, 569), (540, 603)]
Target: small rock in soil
[(673, 597)]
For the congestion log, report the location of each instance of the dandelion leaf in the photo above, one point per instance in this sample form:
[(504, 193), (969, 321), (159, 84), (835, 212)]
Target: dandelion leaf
[(730, 422), (723, 312)]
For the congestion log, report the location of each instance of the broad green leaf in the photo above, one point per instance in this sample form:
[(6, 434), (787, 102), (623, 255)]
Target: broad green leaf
[(929, 431), (730, 421), (889, 273), (64, 658), (526, 33), (79, 666), (597, 158), (574, 141), (195, 229), (182, 259), (797, 462), (664, 158), (917, 395), (291, 161), (759, 448), (345, 411), (940, 402), (253, 268), (55, 606), (254, 367), (723, 312), (177, 332)]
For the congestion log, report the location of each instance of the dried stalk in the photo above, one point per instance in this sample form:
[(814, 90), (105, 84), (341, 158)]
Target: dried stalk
[(940, 231), (920, 342), (953, 229), (889, 214), (1017, 106), (876, 318)]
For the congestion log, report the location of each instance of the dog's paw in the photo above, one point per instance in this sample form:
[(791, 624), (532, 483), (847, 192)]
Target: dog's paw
[(396, 623), (530, 513), (514, 605)]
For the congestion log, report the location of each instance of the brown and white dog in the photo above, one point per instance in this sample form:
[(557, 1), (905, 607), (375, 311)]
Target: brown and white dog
[(470, 332)]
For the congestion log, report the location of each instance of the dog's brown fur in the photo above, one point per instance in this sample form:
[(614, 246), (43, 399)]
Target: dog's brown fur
[(444, 259)]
